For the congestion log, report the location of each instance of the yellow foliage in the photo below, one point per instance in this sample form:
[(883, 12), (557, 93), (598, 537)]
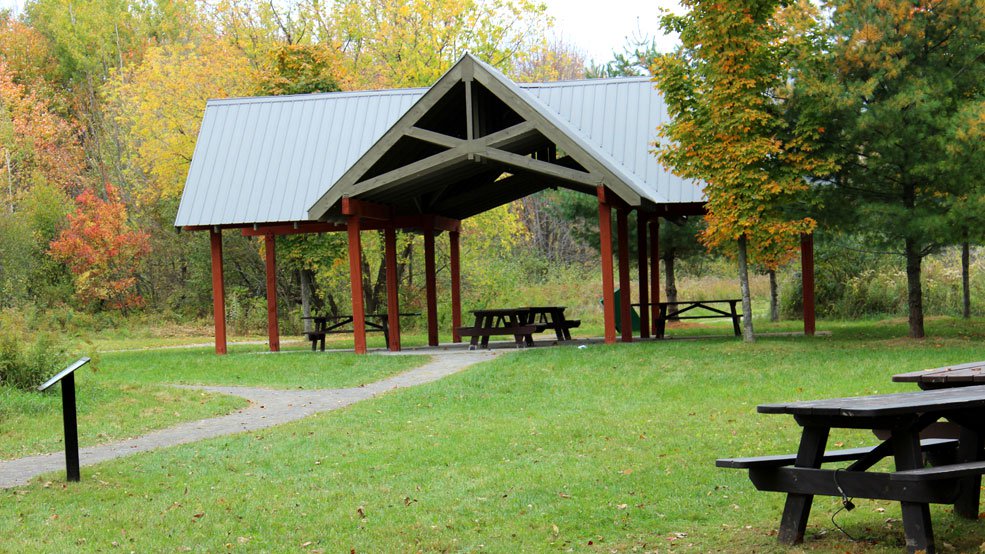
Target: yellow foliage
[(160, 102)]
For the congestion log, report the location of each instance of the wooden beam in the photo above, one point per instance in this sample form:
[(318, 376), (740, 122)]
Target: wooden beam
[(643, 273), (273, 331), (218, 292), (807, 281), (508, 136), (414, 170), (392, 292), (608, 286), (543, 168), (681, 209), (432, 137), (292, 229), (366, 210), (431, 287), (356, 278), (655, 268), (622, 230), (456, 285)]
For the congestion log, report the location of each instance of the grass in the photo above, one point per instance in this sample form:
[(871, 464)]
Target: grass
[(602, 449), (125, 394)]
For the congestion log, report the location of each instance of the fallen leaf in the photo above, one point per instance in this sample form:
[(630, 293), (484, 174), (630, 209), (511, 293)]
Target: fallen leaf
[(626, 471), (564, 495), (198, 515), (622, 506), (361, 512)]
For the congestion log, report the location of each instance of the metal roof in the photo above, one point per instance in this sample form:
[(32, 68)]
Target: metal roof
[(269, 159)]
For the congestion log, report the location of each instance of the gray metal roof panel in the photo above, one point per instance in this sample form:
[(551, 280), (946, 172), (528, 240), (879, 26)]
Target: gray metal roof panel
[(620, 116), (267, 159)]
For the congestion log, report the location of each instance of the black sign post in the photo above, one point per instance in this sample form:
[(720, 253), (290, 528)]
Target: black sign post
[(67, 378)]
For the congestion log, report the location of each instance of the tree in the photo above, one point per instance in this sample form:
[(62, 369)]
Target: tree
[(401, 43), (101, 250), (724, 88), (896, 80)]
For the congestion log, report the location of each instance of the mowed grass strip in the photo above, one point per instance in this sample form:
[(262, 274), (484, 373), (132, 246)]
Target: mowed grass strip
[(125, 394), (550, 450)]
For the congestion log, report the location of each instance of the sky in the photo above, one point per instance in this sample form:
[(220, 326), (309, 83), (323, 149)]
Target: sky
[(597, 28)]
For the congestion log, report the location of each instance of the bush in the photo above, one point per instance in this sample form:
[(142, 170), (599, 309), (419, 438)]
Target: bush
[(26, 363)]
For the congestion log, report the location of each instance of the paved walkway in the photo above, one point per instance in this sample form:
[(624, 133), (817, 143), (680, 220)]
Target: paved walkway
[(267, 408)]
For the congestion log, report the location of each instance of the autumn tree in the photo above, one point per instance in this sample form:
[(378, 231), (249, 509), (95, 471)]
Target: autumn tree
[(101, 250), (725, 90), (899, 90), (401, 43)]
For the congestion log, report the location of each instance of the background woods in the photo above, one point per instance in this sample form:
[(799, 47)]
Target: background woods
[(792, 120)]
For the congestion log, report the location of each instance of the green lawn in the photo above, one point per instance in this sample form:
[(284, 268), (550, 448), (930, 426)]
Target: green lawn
[(125, 394), (602, 449)]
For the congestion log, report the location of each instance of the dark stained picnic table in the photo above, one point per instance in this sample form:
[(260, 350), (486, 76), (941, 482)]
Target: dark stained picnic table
[(962, 375), (325, 324), (904, 415), (520, 322), (706, 309)]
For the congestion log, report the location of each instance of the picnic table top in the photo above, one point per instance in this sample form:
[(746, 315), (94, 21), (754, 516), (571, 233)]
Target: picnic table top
[(881, 405), (344, 316), (973, 372), (497, 311)]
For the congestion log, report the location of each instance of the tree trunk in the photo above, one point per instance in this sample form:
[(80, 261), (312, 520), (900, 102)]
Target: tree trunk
[(305, 275), (670, 282), (914, 291), (747, 334), (774, 297), (966, 279)]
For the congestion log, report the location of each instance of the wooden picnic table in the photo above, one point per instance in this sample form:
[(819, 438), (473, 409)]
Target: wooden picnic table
[(962, 375), (905, 415), (325, 324), (685, 310), (520, 322)]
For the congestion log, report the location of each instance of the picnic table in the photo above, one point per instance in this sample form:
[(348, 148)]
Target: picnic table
[(325, 324), (904, 415), (962, 375), (685, 310), (521, 323)]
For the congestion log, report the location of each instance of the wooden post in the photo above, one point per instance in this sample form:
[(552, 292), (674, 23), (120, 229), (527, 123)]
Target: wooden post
[(655, 269), (608, 287), (430, 284), (273, 331), (807, 280), (392, 297), (218, 292), (642, 271), (356, 276), (622, 230), (456, 285)]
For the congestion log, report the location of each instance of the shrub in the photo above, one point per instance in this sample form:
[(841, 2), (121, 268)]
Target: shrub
[(27, 359)]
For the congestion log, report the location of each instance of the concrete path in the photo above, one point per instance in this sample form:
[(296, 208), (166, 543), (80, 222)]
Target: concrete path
[(267, 408)]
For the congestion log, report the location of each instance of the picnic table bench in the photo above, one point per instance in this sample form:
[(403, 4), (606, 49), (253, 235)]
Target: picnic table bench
[(708, 309), (904, 415), (330, 324), (521, 323)]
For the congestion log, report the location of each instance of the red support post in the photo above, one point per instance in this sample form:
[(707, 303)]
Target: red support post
[(431, 286), (392, 298), (356, 276), (218, 292), (643, 271), (807, 276), (273, 331), (622, 230), (655, 269), (456, 285), (608, 287)]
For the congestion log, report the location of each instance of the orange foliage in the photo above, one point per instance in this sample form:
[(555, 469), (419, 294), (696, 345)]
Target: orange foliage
[(101, 250)]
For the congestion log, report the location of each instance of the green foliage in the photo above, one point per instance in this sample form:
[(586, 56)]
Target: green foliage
[(895, 90), (27, 358)]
